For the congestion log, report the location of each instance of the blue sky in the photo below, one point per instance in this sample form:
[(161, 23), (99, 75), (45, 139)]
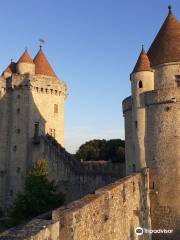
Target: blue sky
[(91, 44)]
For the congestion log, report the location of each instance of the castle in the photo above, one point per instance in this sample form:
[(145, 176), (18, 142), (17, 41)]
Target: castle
[(149, 196), (32, 128)]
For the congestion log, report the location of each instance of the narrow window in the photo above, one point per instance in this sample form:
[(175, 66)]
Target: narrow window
[(18, 131), (134, 167), (11, 192), (177, 78), (140, 85), (15, 148), (36, 129), (136, 124), (55, 108)]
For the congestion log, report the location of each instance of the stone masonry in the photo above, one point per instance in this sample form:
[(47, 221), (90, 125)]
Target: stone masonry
[(112, 213), (152, 124)]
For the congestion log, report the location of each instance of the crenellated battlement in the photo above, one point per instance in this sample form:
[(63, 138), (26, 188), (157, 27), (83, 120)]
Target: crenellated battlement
[(39, 84)]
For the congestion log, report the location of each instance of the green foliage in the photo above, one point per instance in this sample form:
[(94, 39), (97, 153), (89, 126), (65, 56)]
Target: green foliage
[(39, 196), (108, 150)]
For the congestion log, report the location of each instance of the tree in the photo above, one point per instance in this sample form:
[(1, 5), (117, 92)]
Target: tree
[(108, 150), (39, 195)]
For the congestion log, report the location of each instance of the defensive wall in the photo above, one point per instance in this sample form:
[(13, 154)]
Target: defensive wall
[(112, 213), (74, 178)]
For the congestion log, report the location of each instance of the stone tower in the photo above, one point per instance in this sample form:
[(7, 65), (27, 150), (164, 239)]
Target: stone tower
[(152, 123), (31, 105)]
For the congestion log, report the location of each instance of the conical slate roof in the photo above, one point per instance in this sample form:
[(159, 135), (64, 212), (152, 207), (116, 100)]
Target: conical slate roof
[(25, 58), (42, 65), (166, 45), (143, 63)]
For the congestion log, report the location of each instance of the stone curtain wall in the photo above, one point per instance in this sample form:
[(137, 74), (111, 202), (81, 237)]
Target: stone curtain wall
[(75, 178), (112, 213)]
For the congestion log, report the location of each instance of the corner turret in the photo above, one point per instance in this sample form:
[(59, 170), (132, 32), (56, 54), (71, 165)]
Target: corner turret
[(9, 70), (25, 64), (142, 75), (142, 80)]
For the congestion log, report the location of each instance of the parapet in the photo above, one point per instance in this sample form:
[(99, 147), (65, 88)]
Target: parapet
[(39, 84), (162, 96), (34, 230), (120, 206), (127, 104)]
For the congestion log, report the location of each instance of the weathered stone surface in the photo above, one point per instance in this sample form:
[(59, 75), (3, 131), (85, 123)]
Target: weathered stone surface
[(112, 213)]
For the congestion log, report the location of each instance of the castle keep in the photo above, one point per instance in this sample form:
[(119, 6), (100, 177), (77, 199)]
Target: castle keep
[(31, 104)]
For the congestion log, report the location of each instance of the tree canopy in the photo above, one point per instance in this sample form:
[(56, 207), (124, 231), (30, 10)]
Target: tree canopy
[(107, 150), (39, 195)]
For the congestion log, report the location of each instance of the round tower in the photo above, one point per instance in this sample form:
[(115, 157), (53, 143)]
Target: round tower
[(25, 64), (142, 80), (163, 128), (49, 96), (9, 70)]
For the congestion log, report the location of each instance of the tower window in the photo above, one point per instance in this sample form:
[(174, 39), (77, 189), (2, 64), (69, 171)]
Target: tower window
[(15, 148), (140, 84), (134, 167), (177, 77), (11, 192), (136, 124), (36, 129), (55, 108), (18, 131)]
